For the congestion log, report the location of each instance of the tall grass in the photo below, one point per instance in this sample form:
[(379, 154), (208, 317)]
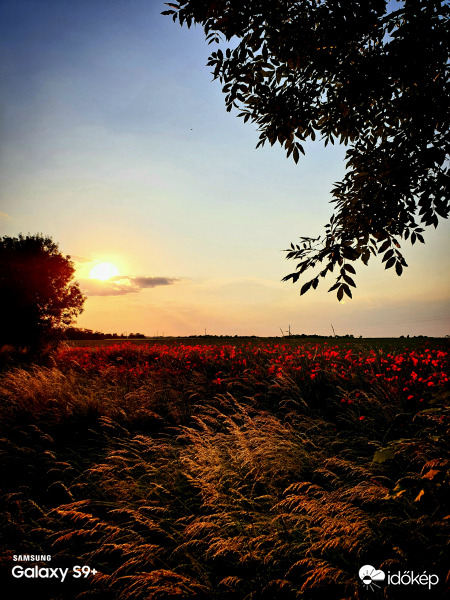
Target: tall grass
[(212, 472)]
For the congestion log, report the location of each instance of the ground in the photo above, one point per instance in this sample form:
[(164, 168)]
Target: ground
[(232, 468)]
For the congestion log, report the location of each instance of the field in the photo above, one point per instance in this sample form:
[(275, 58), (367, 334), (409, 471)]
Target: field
[(232, 469)]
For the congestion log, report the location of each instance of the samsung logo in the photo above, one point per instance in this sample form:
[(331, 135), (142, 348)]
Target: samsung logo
[(31, 557)]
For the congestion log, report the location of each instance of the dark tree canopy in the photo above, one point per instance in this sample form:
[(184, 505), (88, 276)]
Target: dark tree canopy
[(38, 297), (354, 72)]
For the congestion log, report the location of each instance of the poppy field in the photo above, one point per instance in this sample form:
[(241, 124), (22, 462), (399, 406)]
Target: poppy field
[(237, 470)]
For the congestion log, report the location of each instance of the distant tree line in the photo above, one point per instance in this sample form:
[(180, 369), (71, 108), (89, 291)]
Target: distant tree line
[(76, 333), (292, 336)]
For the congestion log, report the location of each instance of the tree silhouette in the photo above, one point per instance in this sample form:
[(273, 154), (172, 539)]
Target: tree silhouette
[(38, 297), (372, 78)]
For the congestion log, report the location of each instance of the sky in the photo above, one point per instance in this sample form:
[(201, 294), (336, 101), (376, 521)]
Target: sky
[(115, 141)]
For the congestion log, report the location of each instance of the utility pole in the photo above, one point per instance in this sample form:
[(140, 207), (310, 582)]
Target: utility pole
[(334, 333)]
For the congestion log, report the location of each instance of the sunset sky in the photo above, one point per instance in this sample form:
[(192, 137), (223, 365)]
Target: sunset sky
[(116, 143)]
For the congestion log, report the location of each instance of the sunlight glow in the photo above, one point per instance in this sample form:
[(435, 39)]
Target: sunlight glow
[(103, 271)]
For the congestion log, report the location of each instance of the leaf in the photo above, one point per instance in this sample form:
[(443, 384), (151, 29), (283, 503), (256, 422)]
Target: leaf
[(384, 246), (305, 288), (350, 253), (293, 276), (431, 474), (349, 268), (419, 496), (388, 255), (349, 280), (381, 235), (340, 293), (347, 291), (390, 263), (333, 287), (384, 454)]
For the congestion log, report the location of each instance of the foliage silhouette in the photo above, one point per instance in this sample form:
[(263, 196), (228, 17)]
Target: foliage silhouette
[(38, 297), (372, 78)]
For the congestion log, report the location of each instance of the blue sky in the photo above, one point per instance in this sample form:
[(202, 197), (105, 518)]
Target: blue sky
[(116, 142)]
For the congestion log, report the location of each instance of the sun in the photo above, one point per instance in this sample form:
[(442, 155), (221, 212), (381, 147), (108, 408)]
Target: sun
[(103, 271)]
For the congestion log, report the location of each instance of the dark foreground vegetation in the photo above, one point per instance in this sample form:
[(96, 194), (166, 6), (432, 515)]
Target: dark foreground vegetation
[(227, 471)]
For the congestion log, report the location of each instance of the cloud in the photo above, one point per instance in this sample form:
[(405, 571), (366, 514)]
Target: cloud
[(4, 217), (149, 282), (80, 259), (121, 285)]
